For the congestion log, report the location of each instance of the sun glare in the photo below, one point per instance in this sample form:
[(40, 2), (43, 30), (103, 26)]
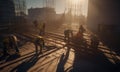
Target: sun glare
[(78, 6), (76, 2)]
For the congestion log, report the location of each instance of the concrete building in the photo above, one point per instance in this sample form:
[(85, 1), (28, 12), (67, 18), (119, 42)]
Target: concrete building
[(41, 14)]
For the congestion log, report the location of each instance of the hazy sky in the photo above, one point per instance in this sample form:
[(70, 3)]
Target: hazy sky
[(59, 6)]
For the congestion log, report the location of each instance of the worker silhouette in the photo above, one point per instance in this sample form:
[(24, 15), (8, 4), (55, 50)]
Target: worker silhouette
[(35, 23), (81, 30), (68, 34), (10, 41), (40, 26), (94, 41), (39, 44)]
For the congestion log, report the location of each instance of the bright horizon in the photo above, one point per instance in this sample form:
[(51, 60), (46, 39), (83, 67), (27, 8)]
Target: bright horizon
[(60, 5)]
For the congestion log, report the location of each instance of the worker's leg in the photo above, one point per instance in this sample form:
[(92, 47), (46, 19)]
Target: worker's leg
[(16, 47), (41, 47), (36, 48)]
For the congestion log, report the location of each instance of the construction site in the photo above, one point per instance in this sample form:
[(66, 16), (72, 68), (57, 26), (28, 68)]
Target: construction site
[(59, 36)]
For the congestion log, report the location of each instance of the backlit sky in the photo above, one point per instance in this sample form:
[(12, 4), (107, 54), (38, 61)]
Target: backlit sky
[(59, 6)]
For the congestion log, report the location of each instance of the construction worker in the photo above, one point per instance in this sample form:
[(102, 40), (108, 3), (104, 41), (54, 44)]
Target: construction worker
[(13, 42), (41, 29), (39, 42), (35, 23), (10, 41), (81, 30), (68, 34), (40, 26), (94, 41)]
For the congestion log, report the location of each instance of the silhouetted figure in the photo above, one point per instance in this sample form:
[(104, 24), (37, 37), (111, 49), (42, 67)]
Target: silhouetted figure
[(94, 42), (79, 35), (68, 34), (10, 41), (39, 43), (81, 30), (44, 26), (35, 23), (40, 26)]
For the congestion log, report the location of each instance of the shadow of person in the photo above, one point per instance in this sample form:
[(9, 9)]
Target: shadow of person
[(12, 57), (63, 60), (25, 66), (86, 60)]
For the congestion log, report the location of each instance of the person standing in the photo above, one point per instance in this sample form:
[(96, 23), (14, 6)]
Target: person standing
[(39, 43), (35, 23), (81, 31), (94, 41), (67, 35), (42, 29), (40, 26)]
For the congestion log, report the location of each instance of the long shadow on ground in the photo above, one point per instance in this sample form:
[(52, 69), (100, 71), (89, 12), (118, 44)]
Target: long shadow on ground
[(88, 59)]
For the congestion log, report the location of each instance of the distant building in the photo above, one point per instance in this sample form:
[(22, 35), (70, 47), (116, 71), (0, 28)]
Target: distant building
[(42, 14)]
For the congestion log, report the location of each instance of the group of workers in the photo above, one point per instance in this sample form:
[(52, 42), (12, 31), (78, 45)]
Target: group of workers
[(68, 34), (10, 41)]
